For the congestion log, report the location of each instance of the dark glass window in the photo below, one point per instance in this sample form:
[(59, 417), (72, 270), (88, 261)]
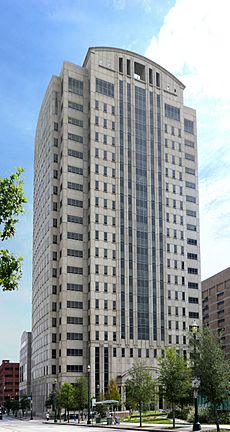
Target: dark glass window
[(75, 86), (104, 87), (172, 112)]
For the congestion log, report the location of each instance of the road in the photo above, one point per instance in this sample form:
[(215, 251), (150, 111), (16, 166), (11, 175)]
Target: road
[(14, 425)]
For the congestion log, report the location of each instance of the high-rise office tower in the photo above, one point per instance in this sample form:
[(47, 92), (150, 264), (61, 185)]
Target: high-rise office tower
[(116, 268)]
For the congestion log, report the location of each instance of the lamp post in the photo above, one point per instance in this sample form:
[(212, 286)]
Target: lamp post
[(88, 372), (54, 399), (195, 382)]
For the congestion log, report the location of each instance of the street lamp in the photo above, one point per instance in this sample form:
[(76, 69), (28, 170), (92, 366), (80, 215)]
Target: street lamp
[(88, 372), (54, 402), (195, 381)]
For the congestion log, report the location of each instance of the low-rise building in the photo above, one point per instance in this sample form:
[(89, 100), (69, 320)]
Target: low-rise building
[(9, 381), (216, 306)]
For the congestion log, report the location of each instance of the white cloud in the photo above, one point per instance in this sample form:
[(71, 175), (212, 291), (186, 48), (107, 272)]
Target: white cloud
[(193, 44), (215, 227)]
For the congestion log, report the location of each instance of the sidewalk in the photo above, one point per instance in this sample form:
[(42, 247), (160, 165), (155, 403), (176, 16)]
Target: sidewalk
[(180, 427)]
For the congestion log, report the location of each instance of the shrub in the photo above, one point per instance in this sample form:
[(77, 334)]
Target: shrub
[(204, 415), (181, 414)]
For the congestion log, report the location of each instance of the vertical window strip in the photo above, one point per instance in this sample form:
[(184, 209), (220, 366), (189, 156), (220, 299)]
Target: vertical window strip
[(160, 211), (153, 218), (141, 215), (122, 211), (130, 211)]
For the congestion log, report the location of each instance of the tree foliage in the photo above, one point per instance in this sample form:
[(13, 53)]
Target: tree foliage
[(65, 397), (175, 378), (50, 400), (12, 200), (213, 370), (81, 393), (8, 405), (113, 391), (24, 404), (140, 386)]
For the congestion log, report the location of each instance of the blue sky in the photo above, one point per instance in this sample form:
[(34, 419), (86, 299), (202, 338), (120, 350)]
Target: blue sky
[(188, 37)]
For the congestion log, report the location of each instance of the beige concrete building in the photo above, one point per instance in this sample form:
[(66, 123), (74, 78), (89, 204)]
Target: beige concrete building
[(25, 365), (116, 262), (216, 306)]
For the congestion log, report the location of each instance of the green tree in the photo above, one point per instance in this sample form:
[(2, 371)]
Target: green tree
[(24, 404), (50, 400), (8, 405), (81, 394), (140, 386), (12, 200), (174, 378), (113, 392), (213, 370), (15, 405), (65, 397)]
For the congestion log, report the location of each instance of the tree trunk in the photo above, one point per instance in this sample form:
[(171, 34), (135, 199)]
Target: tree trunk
[(68, 415), (141, 414), (173, 413), (217, 419)]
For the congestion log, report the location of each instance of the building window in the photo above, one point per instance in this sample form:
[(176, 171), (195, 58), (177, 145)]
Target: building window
[(172, 112), (76, 138), (74, 304), (194, 315), (75, 86), (104, 87), (75, 153), (189, 126), (74, 287)]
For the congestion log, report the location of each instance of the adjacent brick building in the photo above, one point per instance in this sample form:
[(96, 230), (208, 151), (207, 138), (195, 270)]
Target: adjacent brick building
[(9, 380), (216, 305)]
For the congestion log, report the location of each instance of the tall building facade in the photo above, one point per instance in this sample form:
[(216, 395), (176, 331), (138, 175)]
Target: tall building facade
[(9, 381), (25, 364), (116, 267), (216, 306)]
